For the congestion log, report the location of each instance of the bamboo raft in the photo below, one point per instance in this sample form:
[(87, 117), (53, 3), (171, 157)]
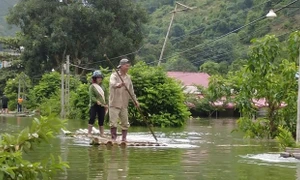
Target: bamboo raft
[(96, 140)]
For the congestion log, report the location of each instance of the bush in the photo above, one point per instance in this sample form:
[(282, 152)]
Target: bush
[(80, 102), (161, 98), (48, 86), (285, 138), (50, 106)]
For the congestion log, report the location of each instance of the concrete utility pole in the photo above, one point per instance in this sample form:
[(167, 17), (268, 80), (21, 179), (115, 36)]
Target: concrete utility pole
[(298, 105), (186, 8), (19, 87), (19, 92), (65, 88), (67, 103), (62, 98)]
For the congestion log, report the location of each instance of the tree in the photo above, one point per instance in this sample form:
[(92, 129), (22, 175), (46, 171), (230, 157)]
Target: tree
[(237, 65), (266, 76), (218, 90), (51, 30), (210, 68), (11, 55), (179, 64)]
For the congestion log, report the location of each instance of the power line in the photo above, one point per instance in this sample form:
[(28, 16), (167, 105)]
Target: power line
[(212, 58), (134, 52), (199, 29), (214, 47), (80, 67), (88, 69), (231, 32)]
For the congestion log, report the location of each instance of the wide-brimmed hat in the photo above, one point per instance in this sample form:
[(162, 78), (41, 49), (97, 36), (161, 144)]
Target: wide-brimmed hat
[(123, 62)]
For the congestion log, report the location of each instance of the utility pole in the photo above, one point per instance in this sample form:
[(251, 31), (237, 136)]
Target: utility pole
[(67, 103), (298, 105), (19, 91), (171, 22), (62, 98)]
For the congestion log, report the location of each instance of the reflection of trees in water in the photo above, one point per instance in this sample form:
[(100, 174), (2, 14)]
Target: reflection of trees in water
[(191, 163)]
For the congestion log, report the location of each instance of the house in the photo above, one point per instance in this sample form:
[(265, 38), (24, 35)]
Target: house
[(190, 80)]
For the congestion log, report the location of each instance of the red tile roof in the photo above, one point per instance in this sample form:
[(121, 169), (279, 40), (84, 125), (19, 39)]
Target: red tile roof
[(190, 78)]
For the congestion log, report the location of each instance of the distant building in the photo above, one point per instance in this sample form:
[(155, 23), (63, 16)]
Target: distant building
[(5, 64), (191, 80), (3, 56)]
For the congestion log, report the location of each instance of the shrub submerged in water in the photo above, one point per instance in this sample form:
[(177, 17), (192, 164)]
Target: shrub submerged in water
[(161, 98)]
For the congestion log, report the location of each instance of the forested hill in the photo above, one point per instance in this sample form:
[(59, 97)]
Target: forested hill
[(5, 29), (195, 34)]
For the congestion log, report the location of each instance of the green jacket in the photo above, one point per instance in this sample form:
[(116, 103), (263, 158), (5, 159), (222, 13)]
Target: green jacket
[(95, 96)]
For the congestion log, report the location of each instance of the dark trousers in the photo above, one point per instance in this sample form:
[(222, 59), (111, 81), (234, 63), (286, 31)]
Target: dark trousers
[(19, 107), (94, 111)]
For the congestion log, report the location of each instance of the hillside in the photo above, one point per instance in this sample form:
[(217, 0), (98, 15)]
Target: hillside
[(195, 34), (5, 29)]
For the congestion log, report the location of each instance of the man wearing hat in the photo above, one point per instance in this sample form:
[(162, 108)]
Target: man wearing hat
[(119, 99)]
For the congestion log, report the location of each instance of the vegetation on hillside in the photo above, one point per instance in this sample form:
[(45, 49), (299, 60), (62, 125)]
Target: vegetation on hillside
[(194, 38), (195, 34)]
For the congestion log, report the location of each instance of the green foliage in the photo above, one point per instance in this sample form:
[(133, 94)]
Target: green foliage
[(254, 128), (51, 30), (210, 68), (285, 138), (50, 106), (80, 102), (218, 90), (11, 89), (11, 92), (180, 64), (12, 164), (48, 86), (161, 98), (266, 76)]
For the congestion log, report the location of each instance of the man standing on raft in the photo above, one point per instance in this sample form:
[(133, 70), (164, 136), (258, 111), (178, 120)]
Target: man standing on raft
[(119, 99)]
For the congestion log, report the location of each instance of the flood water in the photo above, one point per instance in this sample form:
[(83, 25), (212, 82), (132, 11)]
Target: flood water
[(203, 149)]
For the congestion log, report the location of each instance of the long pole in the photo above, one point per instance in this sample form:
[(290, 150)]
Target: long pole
[(166, 38), (135, 103), (298, 105)]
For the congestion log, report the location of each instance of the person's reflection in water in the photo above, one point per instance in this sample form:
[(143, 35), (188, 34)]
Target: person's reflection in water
[(18, 121), (96, 164), (3, 123), (117, 164)]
